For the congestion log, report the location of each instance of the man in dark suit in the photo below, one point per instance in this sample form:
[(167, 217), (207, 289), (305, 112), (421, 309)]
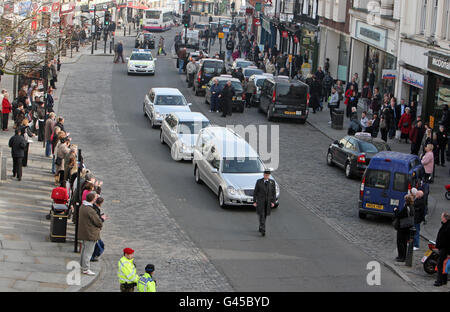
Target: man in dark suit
[(17, 144), (264, 199), (227, 97)]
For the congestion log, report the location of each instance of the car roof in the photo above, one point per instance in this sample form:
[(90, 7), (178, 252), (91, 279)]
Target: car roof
[(243, 60), (222, 78), (229, 142), (396, 158), (190, 116), (211, 59), (141, 51), (166, 91)]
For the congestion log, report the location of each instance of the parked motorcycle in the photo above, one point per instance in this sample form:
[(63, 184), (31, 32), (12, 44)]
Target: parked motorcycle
[(430, 259)]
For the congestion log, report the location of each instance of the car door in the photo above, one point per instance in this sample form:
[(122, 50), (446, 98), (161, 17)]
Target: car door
[(165, 127), (148, 98), (150, 106), (173, 131), (339, 155), (351, 151), (264, 96), (213, 166)]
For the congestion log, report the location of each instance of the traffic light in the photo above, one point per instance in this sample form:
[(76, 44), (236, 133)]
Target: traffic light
[(186, 20), (107, 18), (232, 6)]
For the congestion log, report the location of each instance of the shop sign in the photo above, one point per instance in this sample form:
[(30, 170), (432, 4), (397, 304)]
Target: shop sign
[(258, 6), (284, 34), (431, 122), (389, 74), (439, 63), (413, 79), (372, 35)]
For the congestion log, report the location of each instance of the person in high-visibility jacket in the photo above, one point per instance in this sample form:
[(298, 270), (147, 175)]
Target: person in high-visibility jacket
[(146, 283), (126, 273)]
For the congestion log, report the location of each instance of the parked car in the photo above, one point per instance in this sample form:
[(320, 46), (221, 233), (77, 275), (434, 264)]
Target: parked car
[(208, 68), (228, 165), (159, 102), (238, 100), (353, 153), (241, 63), (386, 181), (257, 81), (281, 97), (180, 130), (145, 40)]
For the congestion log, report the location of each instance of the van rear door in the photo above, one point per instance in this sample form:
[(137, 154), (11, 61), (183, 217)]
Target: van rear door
[(399, 190), (291, 96), (376, 189)]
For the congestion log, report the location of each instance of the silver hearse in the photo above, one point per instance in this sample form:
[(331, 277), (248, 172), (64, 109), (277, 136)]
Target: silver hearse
[(228, 165), (159, 102), (180, 130)]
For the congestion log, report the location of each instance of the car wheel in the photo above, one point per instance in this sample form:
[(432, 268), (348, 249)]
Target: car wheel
[(221, 198), (175, 153), (330, 159), (348, 170), (161, 137), (197, 175), (362, 215)]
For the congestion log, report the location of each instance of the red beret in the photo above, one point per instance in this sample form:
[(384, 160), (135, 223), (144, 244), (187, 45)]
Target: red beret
[(128, 251)]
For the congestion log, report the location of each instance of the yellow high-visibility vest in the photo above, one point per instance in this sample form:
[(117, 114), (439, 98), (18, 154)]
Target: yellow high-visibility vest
[(127, 271), (146, 284)]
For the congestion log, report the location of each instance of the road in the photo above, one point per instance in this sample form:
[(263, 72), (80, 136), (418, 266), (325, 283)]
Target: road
[(300, 252)]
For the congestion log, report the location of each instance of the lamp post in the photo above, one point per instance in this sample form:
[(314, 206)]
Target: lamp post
[(77, 208)]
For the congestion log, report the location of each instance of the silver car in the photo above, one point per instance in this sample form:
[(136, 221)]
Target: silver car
[(180, 131), (159, 102), (228, 165)]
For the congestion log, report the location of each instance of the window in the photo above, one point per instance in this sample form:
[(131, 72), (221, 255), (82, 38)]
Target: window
[(237, 86), (292, 94), (367, 147), (152, 14), (400, 182), (423, 17), (192, 127), (242, 165), (170, 100), (378, 179), (434, 18), (351, 144), (141, 57)]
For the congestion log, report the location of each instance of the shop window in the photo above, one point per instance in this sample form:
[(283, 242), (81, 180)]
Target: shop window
[(442, 93)]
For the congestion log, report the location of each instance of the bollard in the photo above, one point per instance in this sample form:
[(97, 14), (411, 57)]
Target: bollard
[(124, 30), (129, 30), (3, 167), (110, 47), (409, 249)]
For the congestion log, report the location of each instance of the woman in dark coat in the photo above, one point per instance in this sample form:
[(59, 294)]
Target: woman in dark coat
[(226, 97), (315, 90), (403, 227)]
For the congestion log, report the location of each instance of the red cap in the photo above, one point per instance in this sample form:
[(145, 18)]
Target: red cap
[(128, 251)]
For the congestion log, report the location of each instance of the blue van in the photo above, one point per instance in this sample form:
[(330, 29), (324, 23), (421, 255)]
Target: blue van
[(386, 181)]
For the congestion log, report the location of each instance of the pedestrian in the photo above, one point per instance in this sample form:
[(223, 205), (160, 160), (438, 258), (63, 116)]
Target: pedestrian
[(333, 102), (48, 130), (146, 282), (365, 96), (100, 245), (375, 102), (181, 57), (404, 220), (383, 128), (126, 272), (119, 52), (396, 120), (215, 92), (53, 74), (161, 47), (50, 100), (17, 144), (89, 227), (6, 109), (61, 150), (364, 122), (191, 69), (374, 125), (27, 134), (327, 84), (355, 126), (443, 245), (419, 215), (404, 124), (428, 162), (229, 45), (442, 140), (40, 120), (264, 199), (340, 91), (226, 95), (315, 92), (348, 95), (416, 136)]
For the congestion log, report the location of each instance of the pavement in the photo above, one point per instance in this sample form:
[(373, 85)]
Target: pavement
[(146, 216)]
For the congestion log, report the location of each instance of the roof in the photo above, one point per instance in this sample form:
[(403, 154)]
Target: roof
[(230, 144), (142, 51), (212, 59), (221, 78), (166, 91), (394, 156), (190, 116)]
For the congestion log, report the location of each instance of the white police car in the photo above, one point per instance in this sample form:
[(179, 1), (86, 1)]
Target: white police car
[(141, 61)]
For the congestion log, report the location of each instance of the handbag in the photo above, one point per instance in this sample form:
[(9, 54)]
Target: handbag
[(408, 221), (58, 161)]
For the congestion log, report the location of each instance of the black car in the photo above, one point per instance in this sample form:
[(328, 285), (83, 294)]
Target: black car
[(145, 40), (283, 98), (238, 100), (208, 69), (353, 153)]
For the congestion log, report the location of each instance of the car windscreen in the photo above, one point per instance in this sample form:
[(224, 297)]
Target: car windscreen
[(260, 82), (378, 179), (191, 127), (200, 26), (212, 67), (236, 85), (400, 182), (148, 37), (170, 100), (242, 165), (367, 147), (248, 72), (243, 64), (381, 146), (141, 57), (288, 93)]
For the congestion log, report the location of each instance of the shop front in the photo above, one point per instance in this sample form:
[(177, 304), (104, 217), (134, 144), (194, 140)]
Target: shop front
[(309, 48), (370, 57), (268, 32)]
